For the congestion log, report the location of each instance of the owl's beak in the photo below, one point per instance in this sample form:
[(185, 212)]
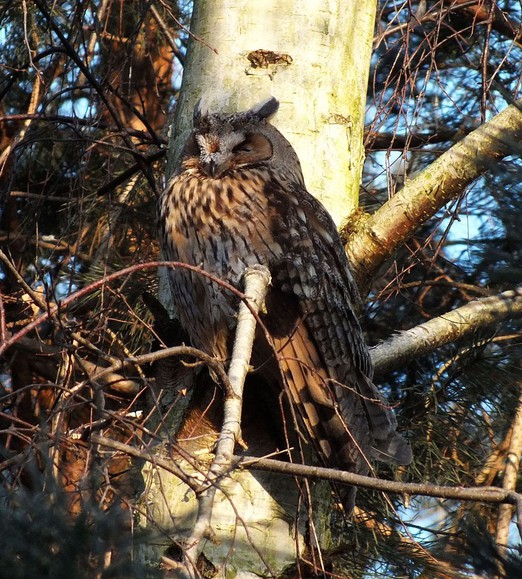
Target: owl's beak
[(213, 168)]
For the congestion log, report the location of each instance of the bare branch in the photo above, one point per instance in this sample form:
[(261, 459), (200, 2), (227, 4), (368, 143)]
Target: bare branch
[(444, 180), (510, 477), (481, 12), (35, 96), (482, 494), (168, 37), (257, 280), (477, 315), (51, 356), (148, 455), (97, 86), (375, 141), (70, 299)]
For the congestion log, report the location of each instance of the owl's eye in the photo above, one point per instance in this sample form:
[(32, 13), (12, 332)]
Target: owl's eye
[(254, 148), (245, 147)]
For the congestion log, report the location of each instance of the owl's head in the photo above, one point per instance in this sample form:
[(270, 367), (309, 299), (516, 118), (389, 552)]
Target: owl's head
[(220, 143)]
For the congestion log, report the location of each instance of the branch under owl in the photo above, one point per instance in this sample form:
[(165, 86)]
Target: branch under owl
[(398, 349), (256, 281)]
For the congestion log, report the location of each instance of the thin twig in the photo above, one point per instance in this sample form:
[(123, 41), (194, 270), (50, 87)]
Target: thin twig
[(97, 86), (166, 32), (482, 494), (70, 299), (3, 324), (184, 28), (128, 173)]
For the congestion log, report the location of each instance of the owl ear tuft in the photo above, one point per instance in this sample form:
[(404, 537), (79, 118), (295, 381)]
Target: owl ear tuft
[(265, 109), (201, 112)]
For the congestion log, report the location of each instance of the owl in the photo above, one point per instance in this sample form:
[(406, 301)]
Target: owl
[(236, 199)]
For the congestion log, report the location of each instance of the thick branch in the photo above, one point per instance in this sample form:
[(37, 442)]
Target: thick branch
[(441, 182), (257, 280), (476, 315)]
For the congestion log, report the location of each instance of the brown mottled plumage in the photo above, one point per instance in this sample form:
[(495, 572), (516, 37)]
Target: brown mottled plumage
[(237, 199)]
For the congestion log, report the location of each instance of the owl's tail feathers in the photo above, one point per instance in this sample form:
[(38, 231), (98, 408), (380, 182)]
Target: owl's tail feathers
[(388, 445), (307, 387), (348, 425)]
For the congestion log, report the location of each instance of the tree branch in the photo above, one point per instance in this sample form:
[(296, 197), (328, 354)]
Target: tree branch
[(509, 481), (47, 357), (148, 455), (100, 90), (167, 35), (444, 180), (54, 308), (482, 494), (257, 279), (478, 314)]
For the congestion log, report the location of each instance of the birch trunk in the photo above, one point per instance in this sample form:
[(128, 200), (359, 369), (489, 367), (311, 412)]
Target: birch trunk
[(313, 56)]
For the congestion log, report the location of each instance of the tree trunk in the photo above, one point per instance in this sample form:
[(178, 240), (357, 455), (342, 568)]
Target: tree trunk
[(314, 58)]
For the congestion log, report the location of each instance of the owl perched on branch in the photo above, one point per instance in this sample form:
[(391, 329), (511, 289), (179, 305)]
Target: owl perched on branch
[(237, 199)]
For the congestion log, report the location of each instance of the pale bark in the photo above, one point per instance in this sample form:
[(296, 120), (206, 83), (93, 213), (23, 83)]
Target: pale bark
[(477, 315), (314, 58), (509, 482), (257, 280), (443, 181), (321, 52), (232, 520)]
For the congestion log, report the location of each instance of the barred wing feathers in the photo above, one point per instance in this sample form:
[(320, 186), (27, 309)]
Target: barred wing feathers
[(323, 358)]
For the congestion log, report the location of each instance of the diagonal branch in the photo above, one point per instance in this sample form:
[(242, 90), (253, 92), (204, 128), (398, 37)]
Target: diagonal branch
[(54, 308), (257, 279), (444, 180), (477, 315)]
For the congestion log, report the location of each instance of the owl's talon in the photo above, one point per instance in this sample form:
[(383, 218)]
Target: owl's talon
[(240, 441)]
